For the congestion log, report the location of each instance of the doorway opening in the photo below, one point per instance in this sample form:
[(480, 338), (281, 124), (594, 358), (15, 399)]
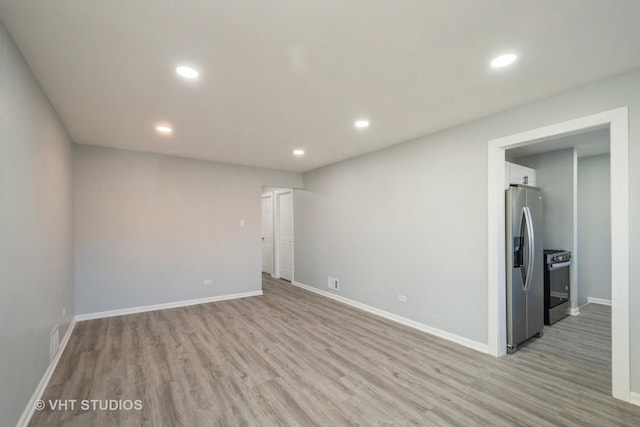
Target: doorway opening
[(277, 233), (617, 122)]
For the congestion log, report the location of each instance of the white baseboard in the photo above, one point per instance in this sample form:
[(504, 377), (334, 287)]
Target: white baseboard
[(592, 300), (154, 307), (44, 381), (634, 398), (483, 348), (574, 311)]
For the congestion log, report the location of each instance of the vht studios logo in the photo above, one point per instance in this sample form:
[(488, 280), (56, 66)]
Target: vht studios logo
[(89, 405)]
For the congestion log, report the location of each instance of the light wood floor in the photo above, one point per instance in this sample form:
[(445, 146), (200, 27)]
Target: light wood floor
[(291, 357)]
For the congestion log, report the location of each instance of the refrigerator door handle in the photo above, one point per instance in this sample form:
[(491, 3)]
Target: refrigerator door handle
[(522, 264), (530, 249)]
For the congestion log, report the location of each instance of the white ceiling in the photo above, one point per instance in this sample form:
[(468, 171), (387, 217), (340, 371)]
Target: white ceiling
[(284, 74)]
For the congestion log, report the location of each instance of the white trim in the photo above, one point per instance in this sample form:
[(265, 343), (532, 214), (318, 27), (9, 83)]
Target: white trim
[(634, 398), (46, 377), (574, 280), (154, 307), (269, 195), (497, 324), (618, 122), (474, 345), (620, 333), (276, 233), (592, 300)]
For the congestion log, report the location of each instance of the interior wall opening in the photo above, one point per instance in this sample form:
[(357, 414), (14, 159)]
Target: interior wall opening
[(616, 121), (572, 174), (277, 227)]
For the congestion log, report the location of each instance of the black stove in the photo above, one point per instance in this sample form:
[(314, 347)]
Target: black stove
[(556, 285)]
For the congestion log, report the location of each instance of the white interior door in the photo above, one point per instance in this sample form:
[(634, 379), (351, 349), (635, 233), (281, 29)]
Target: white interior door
[(284, 203), (267, 233)]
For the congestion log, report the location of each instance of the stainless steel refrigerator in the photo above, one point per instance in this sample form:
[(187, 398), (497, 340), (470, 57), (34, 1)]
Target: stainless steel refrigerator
[(525, 265)]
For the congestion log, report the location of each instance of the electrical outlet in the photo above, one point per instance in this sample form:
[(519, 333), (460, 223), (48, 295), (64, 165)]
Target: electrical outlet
[(208, 282), (242, 223), (402, 298), (333, 283), (64, 312)]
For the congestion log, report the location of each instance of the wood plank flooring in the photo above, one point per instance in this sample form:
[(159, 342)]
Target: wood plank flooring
[(294, 358)]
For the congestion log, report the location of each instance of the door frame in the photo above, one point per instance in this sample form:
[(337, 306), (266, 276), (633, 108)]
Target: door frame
[(276, 232), (618, 122), (270, 195)]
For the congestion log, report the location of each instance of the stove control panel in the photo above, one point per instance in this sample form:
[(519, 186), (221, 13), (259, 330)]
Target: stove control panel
[(554, 256), (560, 257)]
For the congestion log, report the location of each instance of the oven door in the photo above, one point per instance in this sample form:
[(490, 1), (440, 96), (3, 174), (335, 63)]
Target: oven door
[(558, 283)]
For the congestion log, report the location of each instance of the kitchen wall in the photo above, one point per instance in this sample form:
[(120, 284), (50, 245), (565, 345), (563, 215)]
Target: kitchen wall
[(594, 228), (36, 231), (412, 218), (554, 174), (151, 228)]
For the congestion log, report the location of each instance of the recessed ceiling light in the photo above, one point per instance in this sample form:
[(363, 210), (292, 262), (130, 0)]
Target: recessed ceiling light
[(298, 152), (187, 72), (504, 60), (164, 129), (361, 124)]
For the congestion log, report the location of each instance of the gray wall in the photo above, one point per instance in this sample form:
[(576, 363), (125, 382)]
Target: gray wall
[(413, 218), (594, 228), (36, 232), (150, 228), (554, 175), (379, 223)]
